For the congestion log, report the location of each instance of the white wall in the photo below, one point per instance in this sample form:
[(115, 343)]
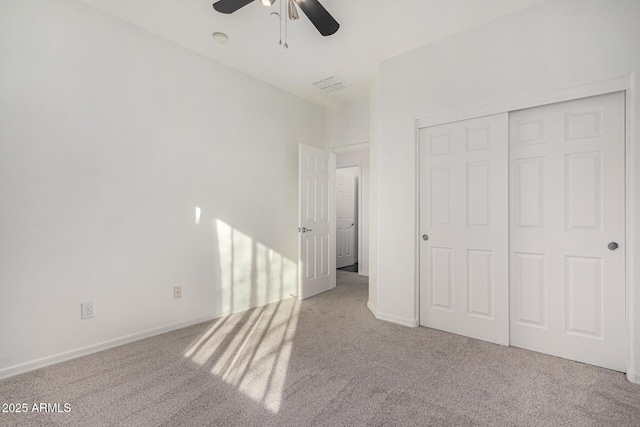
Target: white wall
[(348, 123), (557, 44), (374, 209), (109, 139)]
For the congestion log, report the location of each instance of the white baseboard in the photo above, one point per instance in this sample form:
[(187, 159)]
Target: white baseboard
[(116, 342), (412, 323), (372, 309), (633, 377)]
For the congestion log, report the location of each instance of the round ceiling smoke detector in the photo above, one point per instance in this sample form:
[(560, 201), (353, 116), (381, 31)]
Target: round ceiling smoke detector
[(221, 38)]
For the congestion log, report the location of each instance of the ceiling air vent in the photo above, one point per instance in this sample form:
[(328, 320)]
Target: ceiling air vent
[(331, 84)]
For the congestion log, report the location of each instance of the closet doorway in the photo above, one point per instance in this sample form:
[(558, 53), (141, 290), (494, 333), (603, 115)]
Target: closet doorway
[(352, 163), (522, 229), (347, 183)]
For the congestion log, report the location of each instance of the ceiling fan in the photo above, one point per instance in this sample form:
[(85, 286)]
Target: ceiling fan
[(317, 14)]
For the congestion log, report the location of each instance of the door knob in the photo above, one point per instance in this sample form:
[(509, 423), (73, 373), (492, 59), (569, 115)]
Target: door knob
[(425, 237), (612, 246)]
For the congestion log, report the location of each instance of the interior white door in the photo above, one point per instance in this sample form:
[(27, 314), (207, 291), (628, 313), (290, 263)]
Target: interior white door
[(316, 265), (464, 228), (567, 207), (345, 218)]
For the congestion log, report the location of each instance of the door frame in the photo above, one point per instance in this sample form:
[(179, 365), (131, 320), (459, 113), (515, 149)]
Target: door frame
[(345, 150), (617, 84), (358, 165)]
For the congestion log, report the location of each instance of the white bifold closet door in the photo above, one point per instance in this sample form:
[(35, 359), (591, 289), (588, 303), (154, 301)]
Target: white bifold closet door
[(567, 234), (464, 228)]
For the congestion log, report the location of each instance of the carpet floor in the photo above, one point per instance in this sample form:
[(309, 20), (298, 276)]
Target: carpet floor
[(325, 361)]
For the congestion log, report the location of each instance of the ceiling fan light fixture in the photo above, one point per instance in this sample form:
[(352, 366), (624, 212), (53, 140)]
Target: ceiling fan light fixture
[(317, 14), (293, 11)]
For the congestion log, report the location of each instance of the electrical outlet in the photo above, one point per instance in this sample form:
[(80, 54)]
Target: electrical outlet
[(87, 311), (177, 292)]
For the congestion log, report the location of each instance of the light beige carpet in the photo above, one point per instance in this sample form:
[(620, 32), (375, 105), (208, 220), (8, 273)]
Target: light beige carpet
[(325, 361)]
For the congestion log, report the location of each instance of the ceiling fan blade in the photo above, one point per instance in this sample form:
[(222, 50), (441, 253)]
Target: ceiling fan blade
[(230, 6), (319, 16)]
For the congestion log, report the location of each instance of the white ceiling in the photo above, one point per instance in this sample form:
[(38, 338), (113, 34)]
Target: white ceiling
[(370, 32)]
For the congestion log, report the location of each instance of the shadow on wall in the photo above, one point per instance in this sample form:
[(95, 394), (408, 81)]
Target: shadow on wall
[(251, 274)]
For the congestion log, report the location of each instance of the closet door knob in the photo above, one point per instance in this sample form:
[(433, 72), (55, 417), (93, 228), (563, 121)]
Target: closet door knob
[(612, 246), (425, 237)]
